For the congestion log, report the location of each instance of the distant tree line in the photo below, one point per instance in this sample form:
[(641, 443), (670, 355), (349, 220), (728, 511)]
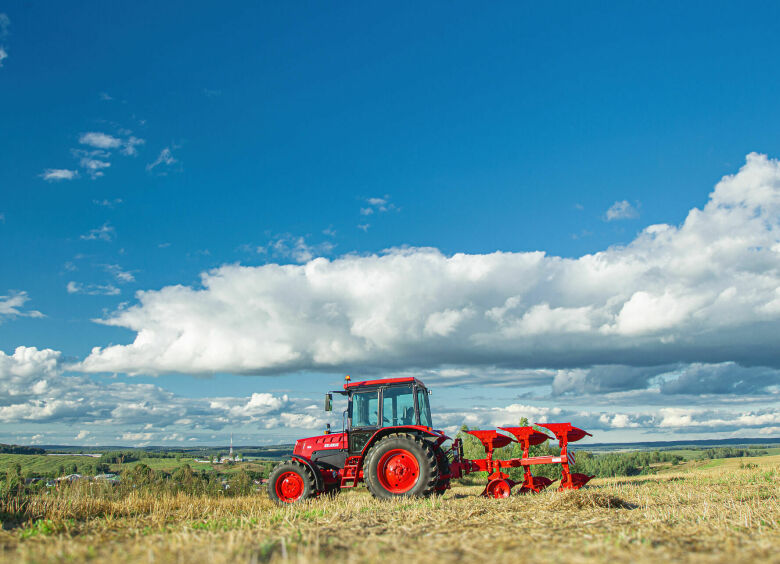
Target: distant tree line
[(186, 479), (732, 452), (622, 464), (19, 449), (121, 456)]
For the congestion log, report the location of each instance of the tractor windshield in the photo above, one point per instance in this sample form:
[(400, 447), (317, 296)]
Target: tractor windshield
[(398, 406)]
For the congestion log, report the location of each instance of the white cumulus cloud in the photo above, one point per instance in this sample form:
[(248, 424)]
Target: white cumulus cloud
[(57, 174), (702, 291), (92, 289), (105, 232), (621, 210), (11, 305), (100, 140), (122, 276), (94, 167), (129, 146)]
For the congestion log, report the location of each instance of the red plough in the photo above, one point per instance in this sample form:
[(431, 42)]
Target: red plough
[(499, 483)]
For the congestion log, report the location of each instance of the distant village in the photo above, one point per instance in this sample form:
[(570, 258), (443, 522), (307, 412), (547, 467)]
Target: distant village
[(129, 466)]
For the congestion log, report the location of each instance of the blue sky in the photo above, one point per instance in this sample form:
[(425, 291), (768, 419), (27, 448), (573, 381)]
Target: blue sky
[(183, 150)]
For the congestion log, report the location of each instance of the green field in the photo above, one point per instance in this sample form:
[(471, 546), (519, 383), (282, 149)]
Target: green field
[(41, 463), (698, 453), (725, 510)]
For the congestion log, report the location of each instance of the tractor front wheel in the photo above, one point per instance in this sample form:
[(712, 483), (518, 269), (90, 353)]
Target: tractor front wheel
[(401, 465), (290, 482)]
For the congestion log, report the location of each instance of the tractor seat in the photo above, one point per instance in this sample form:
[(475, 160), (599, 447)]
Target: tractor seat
[(408, 417)]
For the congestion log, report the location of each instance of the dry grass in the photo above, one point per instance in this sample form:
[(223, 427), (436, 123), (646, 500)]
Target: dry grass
[(719, 514)]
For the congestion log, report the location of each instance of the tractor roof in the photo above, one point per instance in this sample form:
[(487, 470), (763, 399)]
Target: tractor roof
[(382, 382)]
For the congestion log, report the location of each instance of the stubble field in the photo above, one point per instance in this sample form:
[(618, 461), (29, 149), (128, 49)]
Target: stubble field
[(723, 512)]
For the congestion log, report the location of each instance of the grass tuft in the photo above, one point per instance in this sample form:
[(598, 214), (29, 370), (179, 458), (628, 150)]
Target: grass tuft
[(586, 498)]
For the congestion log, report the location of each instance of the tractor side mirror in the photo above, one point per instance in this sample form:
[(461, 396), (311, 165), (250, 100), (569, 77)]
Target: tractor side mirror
[(328, 402)]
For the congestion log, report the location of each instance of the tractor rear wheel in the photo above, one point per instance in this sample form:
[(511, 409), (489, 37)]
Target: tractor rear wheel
[(400, 465), (290, 482)]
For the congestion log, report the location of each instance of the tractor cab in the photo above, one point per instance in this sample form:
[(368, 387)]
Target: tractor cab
[(376, 404)]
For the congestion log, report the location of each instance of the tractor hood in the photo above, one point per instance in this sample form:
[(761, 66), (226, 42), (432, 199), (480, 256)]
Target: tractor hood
[(305, 447)]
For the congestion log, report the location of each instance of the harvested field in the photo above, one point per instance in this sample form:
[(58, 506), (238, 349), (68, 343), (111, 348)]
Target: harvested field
[(720, 514)]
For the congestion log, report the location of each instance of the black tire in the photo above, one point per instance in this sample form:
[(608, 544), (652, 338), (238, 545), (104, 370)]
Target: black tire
[(283, 470), (423, 454), (443, 465)]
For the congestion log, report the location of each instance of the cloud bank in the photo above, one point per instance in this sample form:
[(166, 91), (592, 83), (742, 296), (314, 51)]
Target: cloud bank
[(35, 391), (705, 291)]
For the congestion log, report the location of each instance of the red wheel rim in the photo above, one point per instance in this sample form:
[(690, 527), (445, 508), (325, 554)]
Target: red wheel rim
[(499, 489), (289, 487), (398, 471)]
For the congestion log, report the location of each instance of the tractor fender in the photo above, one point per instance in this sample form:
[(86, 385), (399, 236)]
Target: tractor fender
[(413, 429), (318, 481)]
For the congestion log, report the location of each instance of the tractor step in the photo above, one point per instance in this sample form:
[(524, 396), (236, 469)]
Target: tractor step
[(351, 472)]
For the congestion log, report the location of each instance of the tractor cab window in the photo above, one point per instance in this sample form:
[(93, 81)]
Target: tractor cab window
[(425, 408), (364, 409), (398, 406)]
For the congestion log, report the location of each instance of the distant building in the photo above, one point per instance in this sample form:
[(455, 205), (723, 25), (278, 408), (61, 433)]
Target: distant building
[(231, 457), (70, 478)]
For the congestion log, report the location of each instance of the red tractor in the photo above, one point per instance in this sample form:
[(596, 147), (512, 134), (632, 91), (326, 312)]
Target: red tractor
[(388, 442)]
